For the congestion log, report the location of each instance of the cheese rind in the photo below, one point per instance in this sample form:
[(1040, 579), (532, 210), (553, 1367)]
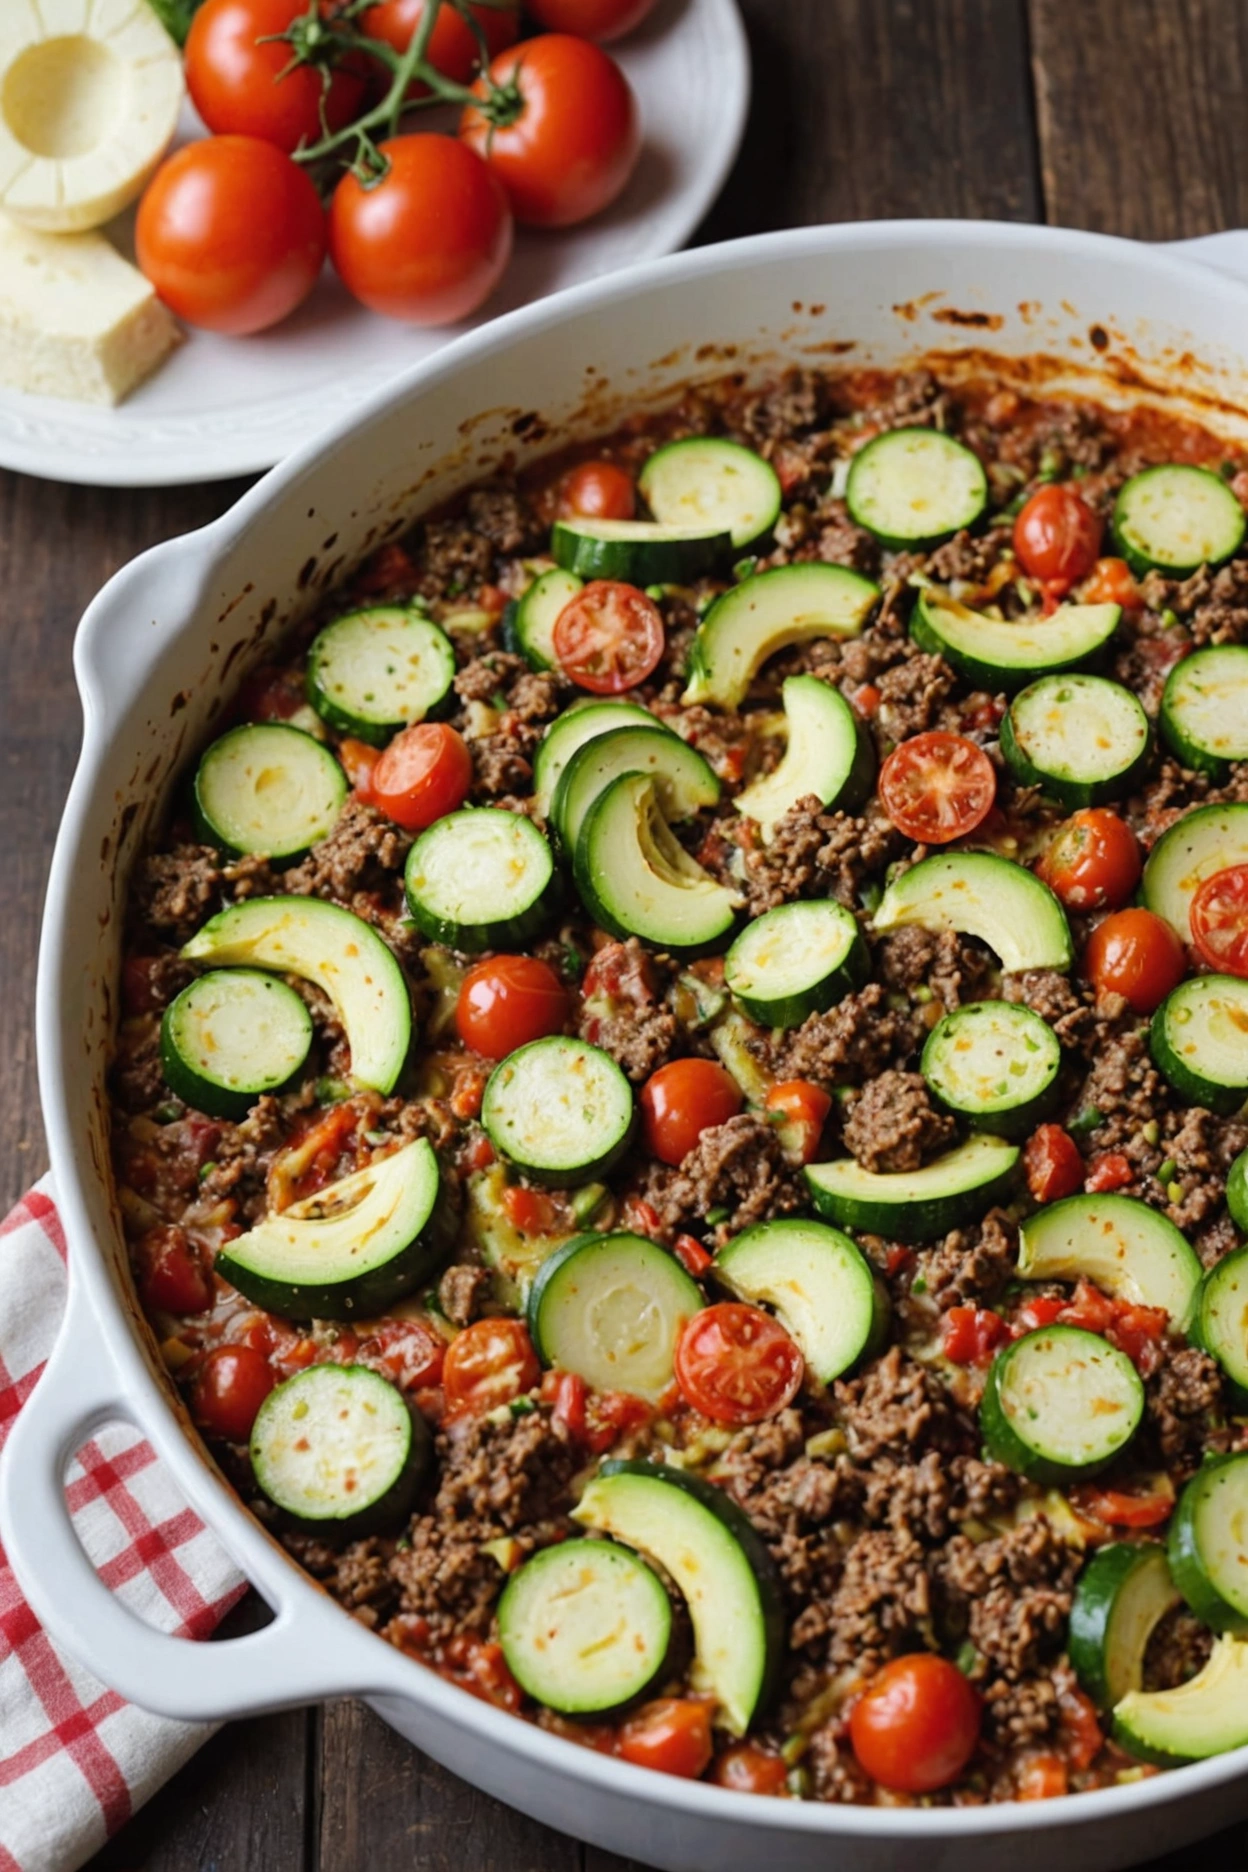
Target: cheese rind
[(76, 320)]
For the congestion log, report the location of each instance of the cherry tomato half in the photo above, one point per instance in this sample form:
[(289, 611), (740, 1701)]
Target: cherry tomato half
[(751, 1770), (1057, 537), (1219, 917), (170, 1271), (229, 1388), (507, 1001), (1093, 862), (1052, 1164), (424, 773), (489, 1364), (453, 49), (242, 81), (736, 1364), (672, 1735), (575, 134), (681, 1101), (1137, 955), (916, 1725), (597, 490), (937, 786), (590, 19), (231, 234), (610, 638), (428, 241)]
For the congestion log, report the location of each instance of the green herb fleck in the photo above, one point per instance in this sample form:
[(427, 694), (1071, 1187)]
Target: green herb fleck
[(918, 1284), (1174, 1192), (1166, 1173), (1086, 1120), (717, 1215)]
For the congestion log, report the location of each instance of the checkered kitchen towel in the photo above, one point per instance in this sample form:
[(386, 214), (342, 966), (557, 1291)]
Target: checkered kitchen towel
[(75, 1760)]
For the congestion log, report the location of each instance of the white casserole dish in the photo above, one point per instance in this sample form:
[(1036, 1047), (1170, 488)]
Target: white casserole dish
[(158, 652)]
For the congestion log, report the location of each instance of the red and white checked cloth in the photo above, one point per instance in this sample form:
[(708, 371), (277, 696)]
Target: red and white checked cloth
[(75, 1760)]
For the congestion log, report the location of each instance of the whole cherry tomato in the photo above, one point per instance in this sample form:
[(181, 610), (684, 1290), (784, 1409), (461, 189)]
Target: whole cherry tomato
[(1093, 862), (424, 774), (590, 19), (507, 1001), (681, 1101), (1219, 918), (597, 490), (609, 638), (428, 241), (751, 1770), (937, 786), (916, 1725), (571, 136), (231, 234), (672, 1735), (170, 1271), (1057, 537), (228, 1390), (1052, 1163), (1137, 955), (736, 1364), (453, 48), (243, 82), (489, 1364)]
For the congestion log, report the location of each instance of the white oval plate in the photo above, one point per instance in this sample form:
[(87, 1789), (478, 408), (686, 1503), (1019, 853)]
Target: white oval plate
[(228, 406)]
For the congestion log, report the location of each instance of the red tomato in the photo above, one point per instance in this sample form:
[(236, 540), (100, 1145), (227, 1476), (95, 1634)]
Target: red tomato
[(1053, 1164), (736, 1363), (1139, 1508), (867, 700), (1137, 955), (590, 19), (359, 762), (1093, 862), (231, 234), (242, 80), (692, 1256), (916, 1725), (1042, 1777), (595, 1418), (1111, 582), (529, 1210), (751, 1770), (672, 1735), (138, 990), (574, 135), (1081, 1729), (1057, 537), (453, 49), (271, 694), (972, 1334), (429, 241), (229, 1388), (803, 1109), (1110, 1171), (468, 1092), (508, 1001), (409, 1351), (937, 786), (610, 638), (681, 1101), (597, 490), (170, 1271), (424, 773), (489, 1364), (1219, 916)]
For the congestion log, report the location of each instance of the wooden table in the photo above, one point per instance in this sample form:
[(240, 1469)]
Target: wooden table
[(1121, 115)]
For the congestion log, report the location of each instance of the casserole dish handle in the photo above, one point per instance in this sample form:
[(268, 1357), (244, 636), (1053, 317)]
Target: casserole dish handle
[(273, 1668)]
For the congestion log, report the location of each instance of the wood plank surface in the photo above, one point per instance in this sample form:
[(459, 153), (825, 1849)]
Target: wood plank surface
[(1119, 114)]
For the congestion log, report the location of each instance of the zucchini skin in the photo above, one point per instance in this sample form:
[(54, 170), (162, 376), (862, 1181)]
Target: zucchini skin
[(1237, 1191), (1201, 1334), (641, 562), (993, 676), (1187, 1567), (1190, 753), (1189, 1084), (1091, 1613), (1074, 794)]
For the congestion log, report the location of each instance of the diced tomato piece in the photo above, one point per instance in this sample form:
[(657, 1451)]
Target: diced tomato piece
[(1053, 1165), (1110, 582), (479, 1667), (467, 1093), (693, 1257), (1145, 1508), (529, 1210), (642, 1218), (170, 1270), (1081, 1728), (672, 1735), (897, 1257), (1138, 1331), (867, 701), (972, 1334), (137, 994), (411, 1352), (492, 598), (271, 694), (803, 1110), (480, 1153), (1110, 1171), (566, 1392), (1042, 1777), (751, 1770), (389, 567), (358, 761), (1040, 1310), (1089, 1307)]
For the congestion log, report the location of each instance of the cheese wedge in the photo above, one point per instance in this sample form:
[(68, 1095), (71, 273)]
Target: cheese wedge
[(89, 96), (76, 320)]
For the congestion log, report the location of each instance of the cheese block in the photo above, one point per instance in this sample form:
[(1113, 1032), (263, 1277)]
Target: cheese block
[(89, 97), (76, 320)]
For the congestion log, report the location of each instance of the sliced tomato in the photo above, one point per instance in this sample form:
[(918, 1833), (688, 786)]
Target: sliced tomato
[(1219, 916), (802, 1110), (1132, 1508), (597, 490), (736, 1364), (1052, 1164), (937, 786), (672, 1735), (610, 638), (489, 1364), (424, 773)]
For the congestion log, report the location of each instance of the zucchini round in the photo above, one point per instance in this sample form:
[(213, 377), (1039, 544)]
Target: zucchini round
[(719, 486), (994, 1063), (796, 960), (337, 1449), (585, 1627), (373, 672), (537, 613), (1204, 709), (231, 1036), (1081, 739), (1221, 1323), (1208, 1543), (610, 1308), (268, 790), (560, 1109), (1199, 1039), (820, 1284), (1237, 1191), (1210, 839), (482, 878), (1176, 518), (914, 488), (684, 780), (1060, 1404)]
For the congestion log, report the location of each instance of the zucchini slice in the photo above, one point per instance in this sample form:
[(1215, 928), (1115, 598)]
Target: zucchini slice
[(229, 1037), (1060, 1403), (684, 781), (1127, 1248), (1204, 709), (995, 655), (269, 790), (1082, 739), (337, 950), (610, 1308), (980, 894), (773, 610), (795, 960), (1208, 1543), (1122, 1596), (636, 880), (560, 1109), (914, 488), (829, 754), (699, 1536), (537, 614), (571, 731), (915, 1205), (995, 1064), (372, 672), (1176, 517), (354, 1248), (640, 552), (337, 1448), (718, 486), (482, 878), (1237, 1191), (1199, 1040), (822, 1287), (1210, 839), (586, 1627), (1207, 1715), (1221, 1323)]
